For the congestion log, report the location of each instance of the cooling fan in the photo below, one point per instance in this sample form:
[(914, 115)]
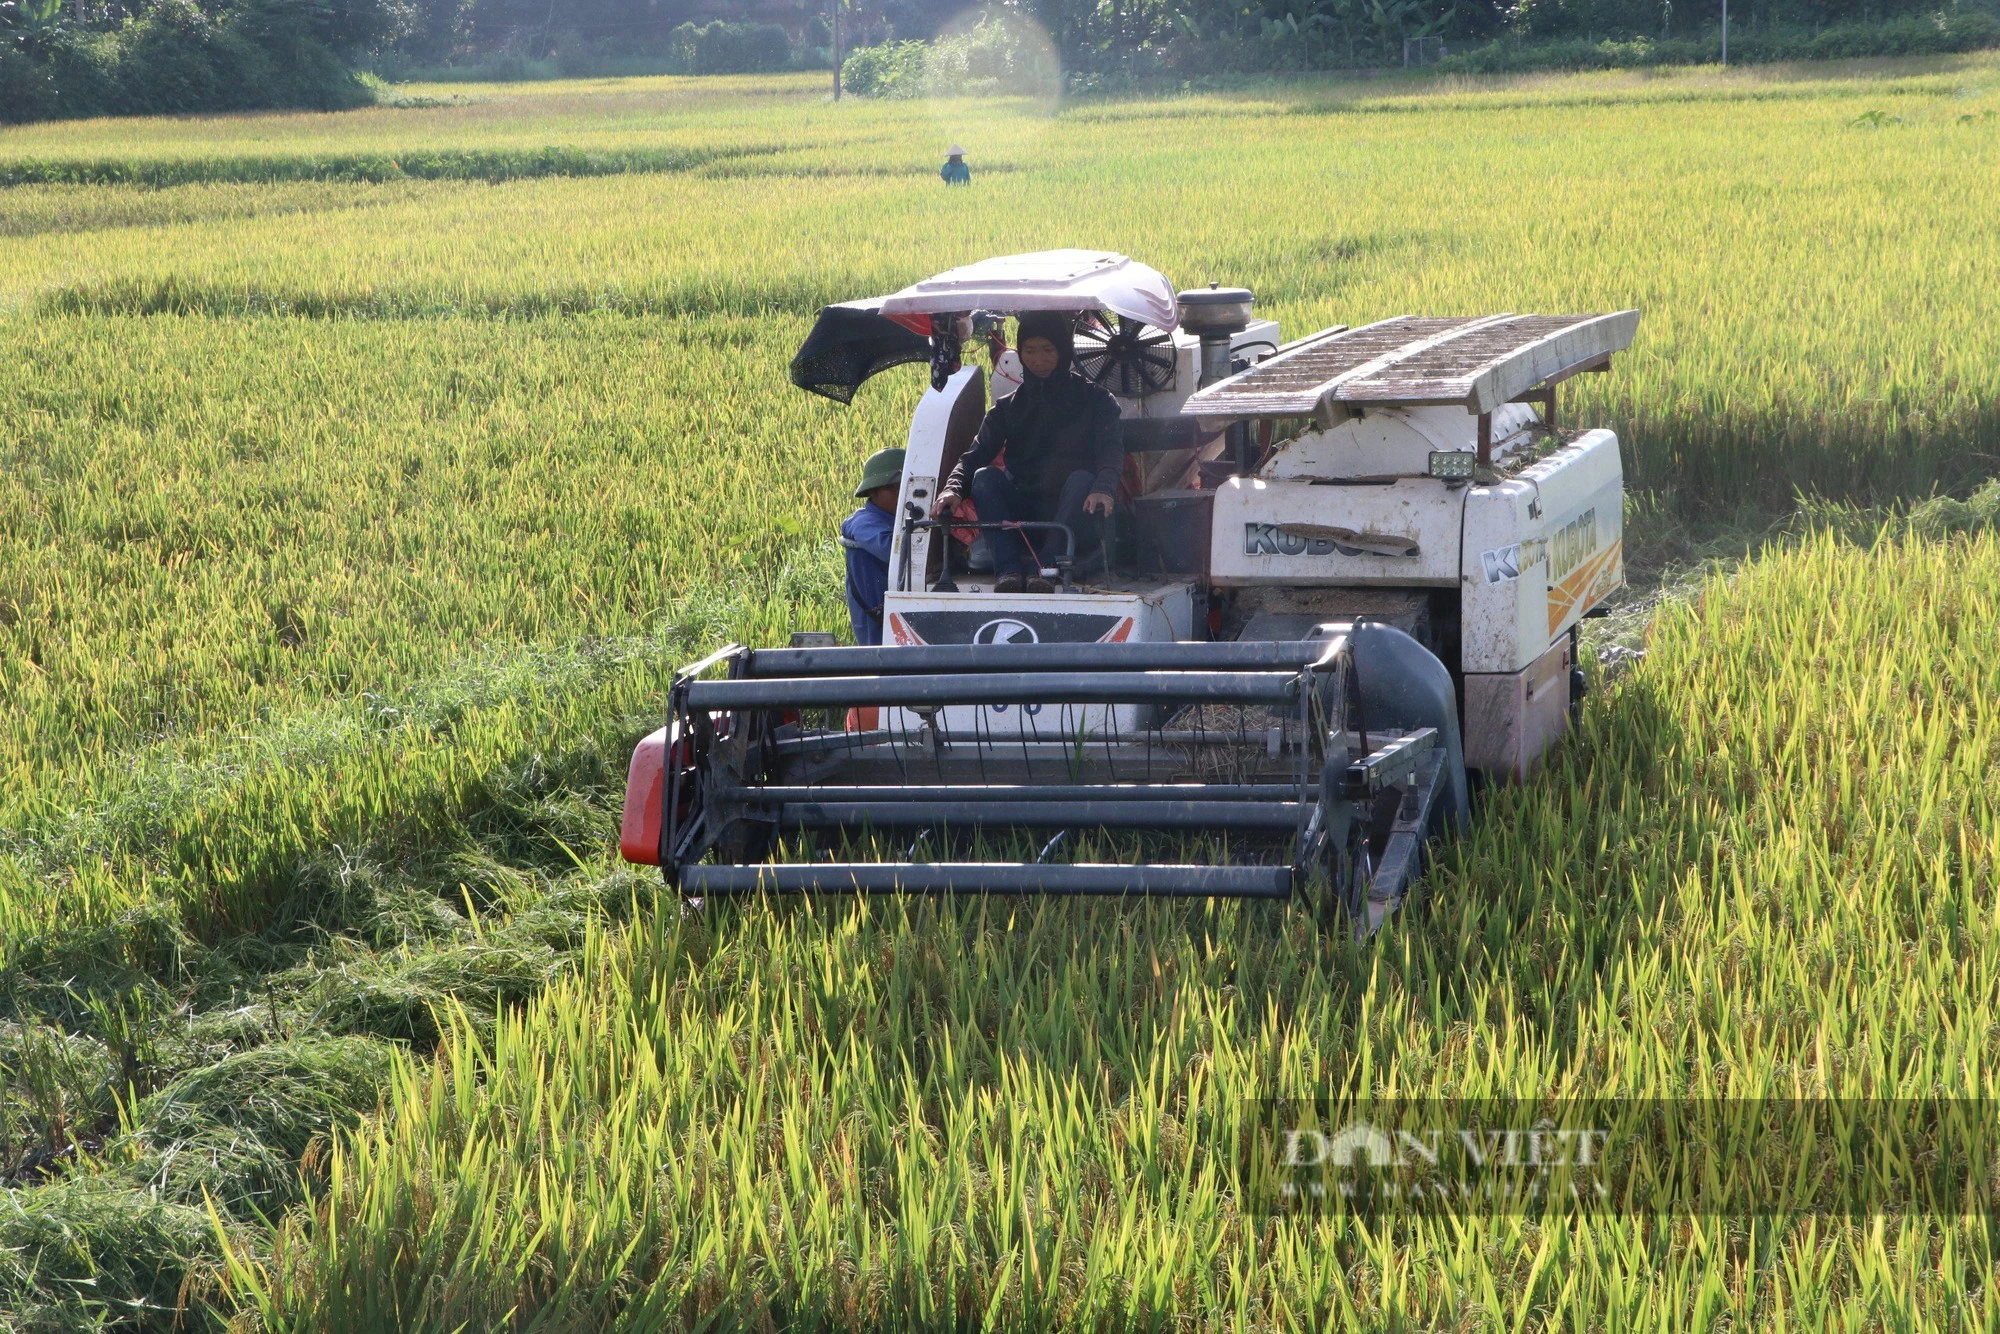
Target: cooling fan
[(1130, 359)]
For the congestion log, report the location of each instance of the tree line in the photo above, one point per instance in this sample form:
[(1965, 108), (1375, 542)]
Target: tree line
[(99, 57), (1096, 35)]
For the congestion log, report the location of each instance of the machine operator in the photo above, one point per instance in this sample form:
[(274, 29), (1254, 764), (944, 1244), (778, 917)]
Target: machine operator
[(865, 538), (1063, 457)]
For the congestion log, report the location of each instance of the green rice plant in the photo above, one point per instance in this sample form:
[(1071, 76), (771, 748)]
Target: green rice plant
[(1775, 263), (1756, 871), (233, 1132), (34, 210), (491, 166), (56, 1091), (90, 1253)]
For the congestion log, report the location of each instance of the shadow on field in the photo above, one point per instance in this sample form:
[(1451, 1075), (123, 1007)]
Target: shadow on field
[(146, 1071), (1767, 456)]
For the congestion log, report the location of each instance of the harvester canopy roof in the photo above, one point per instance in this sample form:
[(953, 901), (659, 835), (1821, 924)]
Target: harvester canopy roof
[(854, 340), (1077, 280), (1475, 362)]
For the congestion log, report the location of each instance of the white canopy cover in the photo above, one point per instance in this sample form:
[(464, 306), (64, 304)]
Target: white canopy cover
[(1045, 280)]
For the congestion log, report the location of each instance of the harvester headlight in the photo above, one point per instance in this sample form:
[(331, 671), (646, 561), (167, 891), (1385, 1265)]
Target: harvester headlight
[(1453, 465)]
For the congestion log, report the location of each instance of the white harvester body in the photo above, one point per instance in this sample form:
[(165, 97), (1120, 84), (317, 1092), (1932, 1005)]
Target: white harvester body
[(1343, 571), (1529, 552), (1343, 517)]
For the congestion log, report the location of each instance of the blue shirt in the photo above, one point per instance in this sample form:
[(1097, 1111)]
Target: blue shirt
[(955, 173), (864, 539)]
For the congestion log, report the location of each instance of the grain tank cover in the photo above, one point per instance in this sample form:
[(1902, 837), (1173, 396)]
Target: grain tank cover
[(1476, 363)]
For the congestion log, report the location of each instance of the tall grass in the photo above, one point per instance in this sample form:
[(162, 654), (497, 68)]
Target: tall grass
[(1759, 870), (1765, 232), (251, 462), (348, 529), (490, 165)]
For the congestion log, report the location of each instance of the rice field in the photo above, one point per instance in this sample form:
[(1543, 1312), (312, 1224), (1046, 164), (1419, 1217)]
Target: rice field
[(362, 475), (1758, 873)]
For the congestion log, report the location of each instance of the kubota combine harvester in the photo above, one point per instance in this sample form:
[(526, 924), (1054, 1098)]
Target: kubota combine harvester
[(1344, 571)]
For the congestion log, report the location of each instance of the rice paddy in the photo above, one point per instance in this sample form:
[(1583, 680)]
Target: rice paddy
[(362, 475)]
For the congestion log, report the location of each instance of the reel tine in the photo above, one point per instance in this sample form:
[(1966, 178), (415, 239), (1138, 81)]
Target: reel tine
[(1029, 732)]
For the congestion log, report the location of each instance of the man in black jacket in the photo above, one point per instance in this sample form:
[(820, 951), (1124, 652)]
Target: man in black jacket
[(1060, 438)]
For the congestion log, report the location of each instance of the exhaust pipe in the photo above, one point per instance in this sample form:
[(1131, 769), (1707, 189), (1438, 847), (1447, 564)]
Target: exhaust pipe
[(1216, 315)]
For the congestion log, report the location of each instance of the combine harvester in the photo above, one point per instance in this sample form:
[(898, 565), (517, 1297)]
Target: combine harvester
[(1346, 571)]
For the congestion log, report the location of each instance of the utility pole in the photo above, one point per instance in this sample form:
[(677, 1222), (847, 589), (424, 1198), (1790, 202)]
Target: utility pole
[(836, 49), (1725, 32)]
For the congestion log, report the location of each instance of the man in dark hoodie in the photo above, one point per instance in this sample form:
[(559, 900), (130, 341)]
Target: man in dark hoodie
[(1060, 437)]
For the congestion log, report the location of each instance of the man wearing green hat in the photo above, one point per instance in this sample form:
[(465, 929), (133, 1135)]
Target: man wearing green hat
[(865, 539)]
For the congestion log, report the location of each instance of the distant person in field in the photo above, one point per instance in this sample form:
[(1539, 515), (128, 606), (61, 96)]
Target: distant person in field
[(865, 538), (954, 171), (1060, 437)]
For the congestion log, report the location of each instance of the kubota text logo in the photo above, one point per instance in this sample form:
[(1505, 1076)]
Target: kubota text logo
[(1268, 539), (1571, 543)]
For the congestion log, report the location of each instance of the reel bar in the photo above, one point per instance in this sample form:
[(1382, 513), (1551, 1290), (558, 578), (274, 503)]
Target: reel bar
[(769, 754), (918, 659), (994, 687), (1154, 881), (1019, 792), (892, 745), (1165, 816)]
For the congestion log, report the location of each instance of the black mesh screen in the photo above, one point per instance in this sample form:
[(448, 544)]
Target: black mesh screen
[(849, 343)]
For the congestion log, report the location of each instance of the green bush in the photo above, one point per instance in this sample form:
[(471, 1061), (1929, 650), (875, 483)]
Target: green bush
[(349, 25), (895, 69), (989, 58), (298, 67), (176, 59), (179, 57), (1899, 37), (27, 86), (1971, 30), (730, 48), (510, 65), (81, 66), (1574, 54)]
